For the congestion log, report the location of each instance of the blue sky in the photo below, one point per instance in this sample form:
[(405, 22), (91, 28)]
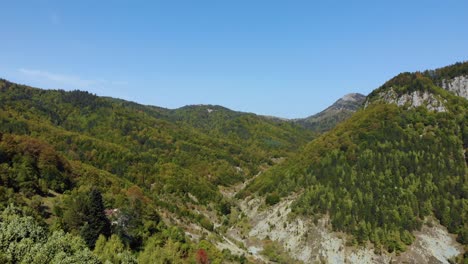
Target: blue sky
[(283, 58)]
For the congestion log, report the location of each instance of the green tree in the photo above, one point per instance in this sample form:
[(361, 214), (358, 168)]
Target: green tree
[(84, 214), (23, 240), (113, 251), (97, 222)]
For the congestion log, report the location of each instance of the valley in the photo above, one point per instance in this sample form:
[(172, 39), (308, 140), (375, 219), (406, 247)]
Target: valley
[(371, 179)]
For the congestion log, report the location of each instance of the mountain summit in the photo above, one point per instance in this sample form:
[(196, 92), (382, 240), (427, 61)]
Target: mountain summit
[(350, 102), (337, 112)]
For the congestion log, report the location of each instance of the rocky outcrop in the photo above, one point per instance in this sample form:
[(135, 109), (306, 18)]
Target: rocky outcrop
[(312, 242), (457, 85), (413, 99)]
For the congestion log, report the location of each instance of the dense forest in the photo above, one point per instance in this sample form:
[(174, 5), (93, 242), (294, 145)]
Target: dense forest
[(70, 155), (381, 172), (43, 194)]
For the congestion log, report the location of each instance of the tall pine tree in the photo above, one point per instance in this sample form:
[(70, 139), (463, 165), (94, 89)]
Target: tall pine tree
[(96, 222)]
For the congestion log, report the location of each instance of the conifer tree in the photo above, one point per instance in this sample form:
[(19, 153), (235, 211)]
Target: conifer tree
[(96, 222)]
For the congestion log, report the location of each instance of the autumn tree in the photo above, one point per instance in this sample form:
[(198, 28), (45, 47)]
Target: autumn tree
[(202, 256)]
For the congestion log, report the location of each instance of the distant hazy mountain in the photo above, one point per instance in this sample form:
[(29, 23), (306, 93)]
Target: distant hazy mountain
[(337, 112)]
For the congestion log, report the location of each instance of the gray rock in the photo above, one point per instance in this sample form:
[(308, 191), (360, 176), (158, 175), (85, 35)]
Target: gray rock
[(457, 85)]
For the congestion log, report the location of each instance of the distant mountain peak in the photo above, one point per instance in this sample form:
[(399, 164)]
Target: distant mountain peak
[(351, 101), (352, 97), (337, 112)]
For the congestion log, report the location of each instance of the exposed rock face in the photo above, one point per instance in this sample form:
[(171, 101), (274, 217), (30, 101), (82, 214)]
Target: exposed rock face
[(432, 245), (414, 99), (316, 243), (457, 85)]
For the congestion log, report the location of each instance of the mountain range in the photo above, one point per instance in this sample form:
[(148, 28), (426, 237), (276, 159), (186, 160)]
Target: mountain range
[(371, 179)]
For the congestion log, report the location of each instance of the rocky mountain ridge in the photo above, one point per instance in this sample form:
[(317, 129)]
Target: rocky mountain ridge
[(413, 99), (411, 90)]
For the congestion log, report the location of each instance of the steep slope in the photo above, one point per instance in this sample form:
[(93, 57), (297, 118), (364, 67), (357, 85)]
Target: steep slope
[(339, 111), (380, 173)]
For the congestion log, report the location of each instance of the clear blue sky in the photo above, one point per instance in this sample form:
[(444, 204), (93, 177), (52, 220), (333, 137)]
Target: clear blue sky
[(283, 58)]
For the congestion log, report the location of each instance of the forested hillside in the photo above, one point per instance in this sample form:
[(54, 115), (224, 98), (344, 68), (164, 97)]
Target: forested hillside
[(148, 146), (57, 148), (102, 179), (381, 172)]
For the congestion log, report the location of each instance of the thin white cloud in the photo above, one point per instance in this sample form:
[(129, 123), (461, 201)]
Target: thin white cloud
[(62, 79), (68, 81)]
